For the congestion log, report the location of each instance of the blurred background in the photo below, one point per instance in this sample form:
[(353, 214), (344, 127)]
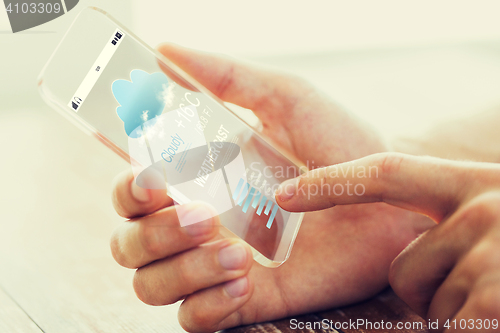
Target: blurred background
[(402, 66)]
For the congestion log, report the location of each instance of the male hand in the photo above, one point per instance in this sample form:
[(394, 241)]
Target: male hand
[(451, 273), (340, 256)]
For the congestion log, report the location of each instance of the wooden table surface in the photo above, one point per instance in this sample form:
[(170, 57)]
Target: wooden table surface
[(56, 269)]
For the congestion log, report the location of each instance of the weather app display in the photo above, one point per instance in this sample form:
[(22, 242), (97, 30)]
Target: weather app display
[(182, 140), (175, 154), (141, 100)]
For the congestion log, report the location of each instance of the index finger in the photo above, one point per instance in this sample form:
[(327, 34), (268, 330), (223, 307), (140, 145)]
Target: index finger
[(432, 186)]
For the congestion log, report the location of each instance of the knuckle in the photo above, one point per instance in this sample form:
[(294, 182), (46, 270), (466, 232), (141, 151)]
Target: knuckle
[(184, 272), (117, 205), (194, 321), (390, 163), (398, 284), (117, 193), (117, 250), (152, 290), (394, 270), (296, 92), (150, 241), (402, 284), (226, 81), (488, 206), (140, 288), (481, 213), (487, 300), (484, 257)]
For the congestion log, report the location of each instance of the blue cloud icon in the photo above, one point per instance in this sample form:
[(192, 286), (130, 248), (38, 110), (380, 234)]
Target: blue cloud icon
[(141, 99)]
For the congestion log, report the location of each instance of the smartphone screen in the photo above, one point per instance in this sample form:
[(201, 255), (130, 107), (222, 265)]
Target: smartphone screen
[(176, 135)]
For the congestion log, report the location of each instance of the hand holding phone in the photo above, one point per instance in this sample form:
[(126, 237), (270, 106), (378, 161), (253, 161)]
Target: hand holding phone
[(341, 254), (173, 130)]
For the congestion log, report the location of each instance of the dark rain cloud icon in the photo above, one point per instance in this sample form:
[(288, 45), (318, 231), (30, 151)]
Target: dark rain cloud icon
[(28, 14), (141, 100)]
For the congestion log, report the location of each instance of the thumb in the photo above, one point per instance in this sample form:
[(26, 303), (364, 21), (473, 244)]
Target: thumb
[(432, 186)]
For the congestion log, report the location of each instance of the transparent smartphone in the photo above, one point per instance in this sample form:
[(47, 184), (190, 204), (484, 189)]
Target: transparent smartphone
[(176, 134)]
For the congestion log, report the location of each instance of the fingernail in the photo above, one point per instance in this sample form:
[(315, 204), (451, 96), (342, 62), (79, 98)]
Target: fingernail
[(151, 178), (233, 256), (139, 193), (287, 189), (238, 287), (197, 221)]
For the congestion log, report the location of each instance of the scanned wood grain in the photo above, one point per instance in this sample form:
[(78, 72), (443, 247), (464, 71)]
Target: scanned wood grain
[(56, 218), (385, 307), (13, 318)]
